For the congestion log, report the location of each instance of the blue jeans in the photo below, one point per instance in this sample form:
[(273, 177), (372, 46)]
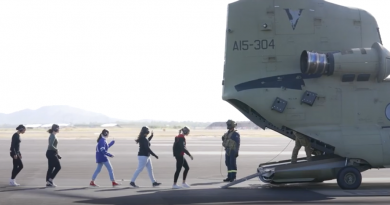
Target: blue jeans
[(99, 168), (144, 161), (230, 162)]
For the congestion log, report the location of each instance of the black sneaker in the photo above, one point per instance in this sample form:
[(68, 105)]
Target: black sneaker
[(156, 184), (226, 180), (133, 184)]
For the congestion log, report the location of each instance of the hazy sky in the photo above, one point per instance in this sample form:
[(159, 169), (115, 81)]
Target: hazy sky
[(128, 59)]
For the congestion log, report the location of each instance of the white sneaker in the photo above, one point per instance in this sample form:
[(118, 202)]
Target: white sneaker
[(13, 183), (176, 187), (50, 184), (184, 185)]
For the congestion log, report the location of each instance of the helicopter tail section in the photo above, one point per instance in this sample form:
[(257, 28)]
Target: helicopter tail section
[(290, 61)]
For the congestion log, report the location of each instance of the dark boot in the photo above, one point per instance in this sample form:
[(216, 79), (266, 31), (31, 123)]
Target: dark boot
[(233, 177), (229, 176), (133, 185), (226, 180)]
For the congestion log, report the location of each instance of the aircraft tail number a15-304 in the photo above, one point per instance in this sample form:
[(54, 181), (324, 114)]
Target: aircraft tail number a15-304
[(245, 45)]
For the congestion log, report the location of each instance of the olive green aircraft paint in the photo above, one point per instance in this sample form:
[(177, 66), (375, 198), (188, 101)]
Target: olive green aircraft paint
[(314, 67)]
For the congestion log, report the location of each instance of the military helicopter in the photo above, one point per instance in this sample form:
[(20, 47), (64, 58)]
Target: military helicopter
[(316, 68)]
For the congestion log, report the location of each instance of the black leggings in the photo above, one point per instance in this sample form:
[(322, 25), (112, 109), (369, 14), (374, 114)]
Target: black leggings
[(181, 162), (18, 166), (54, 163)]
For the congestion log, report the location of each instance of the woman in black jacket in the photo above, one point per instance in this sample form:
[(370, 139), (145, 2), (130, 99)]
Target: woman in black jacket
[(144, 156), (16, 155), (179, 149)]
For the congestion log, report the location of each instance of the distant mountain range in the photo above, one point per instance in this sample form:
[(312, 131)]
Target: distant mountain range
[(62, 114), (54, 114)]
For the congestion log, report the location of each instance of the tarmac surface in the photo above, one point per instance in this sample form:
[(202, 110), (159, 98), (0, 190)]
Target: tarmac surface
[(207, 171)]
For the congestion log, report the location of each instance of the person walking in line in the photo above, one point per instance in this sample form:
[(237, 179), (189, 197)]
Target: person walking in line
[(16, 155), (52, 156), (101, 158), (179, 148), (144, 156)]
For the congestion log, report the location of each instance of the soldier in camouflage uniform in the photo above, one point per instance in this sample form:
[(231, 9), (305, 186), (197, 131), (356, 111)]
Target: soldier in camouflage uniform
[(231, 143), (301, 140)]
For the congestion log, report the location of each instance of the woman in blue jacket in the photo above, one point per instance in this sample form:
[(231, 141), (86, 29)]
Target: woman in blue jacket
[(101, 157)]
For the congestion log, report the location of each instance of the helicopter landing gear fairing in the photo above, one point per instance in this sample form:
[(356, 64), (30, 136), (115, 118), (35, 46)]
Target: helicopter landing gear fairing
[(319, 169)]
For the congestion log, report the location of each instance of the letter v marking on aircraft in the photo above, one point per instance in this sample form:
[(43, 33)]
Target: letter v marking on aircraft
[(294, 15)]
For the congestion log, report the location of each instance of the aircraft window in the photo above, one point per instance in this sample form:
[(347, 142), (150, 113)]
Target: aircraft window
[(388, 111), (363, 77), (348, 78)]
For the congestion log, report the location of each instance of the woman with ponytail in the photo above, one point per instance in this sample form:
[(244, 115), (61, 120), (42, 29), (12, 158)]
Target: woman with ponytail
[(52, 156), (101, 158), (144, 159), (179, 148), (16, 155)]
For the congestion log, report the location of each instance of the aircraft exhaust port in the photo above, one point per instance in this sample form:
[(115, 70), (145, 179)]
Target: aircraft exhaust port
[(363, 62)]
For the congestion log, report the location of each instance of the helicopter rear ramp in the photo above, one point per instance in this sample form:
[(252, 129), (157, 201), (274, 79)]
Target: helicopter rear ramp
[(321, 168)]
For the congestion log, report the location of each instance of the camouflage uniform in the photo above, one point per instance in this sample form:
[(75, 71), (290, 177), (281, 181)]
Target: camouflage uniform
[(301, 140)]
